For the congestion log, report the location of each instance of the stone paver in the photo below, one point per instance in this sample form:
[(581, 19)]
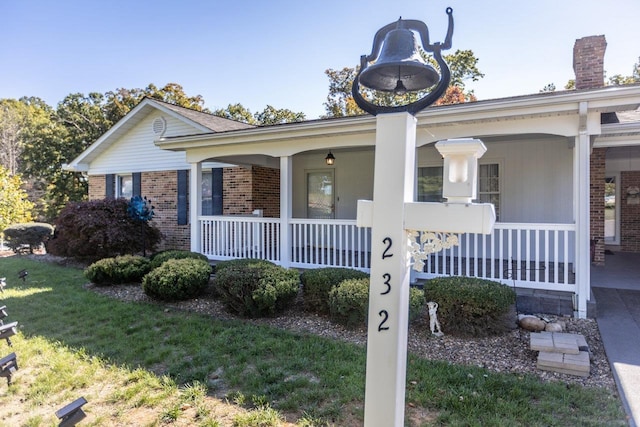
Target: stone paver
[(562, 352)]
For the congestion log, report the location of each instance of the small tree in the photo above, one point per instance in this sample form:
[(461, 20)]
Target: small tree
[(99, 229), (14, 206)]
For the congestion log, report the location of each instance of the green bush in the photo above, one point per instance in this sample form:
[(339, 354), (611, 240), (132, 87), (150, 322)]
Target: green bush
[(100, 229), (234, 263), (349, 302), (177, 279), (121, 269), (160, 257), (255, 288), (470, 306), (317, 283), (27, 236)]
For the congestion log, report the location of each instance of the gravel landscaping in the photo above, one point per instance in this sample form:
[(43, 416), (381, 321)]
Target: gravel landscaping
[(505, 353)]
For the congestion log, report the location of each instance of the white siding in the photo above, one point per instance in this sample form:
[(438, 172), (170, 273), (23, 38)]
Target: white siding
[(353, 173), (136, 152), (536, 177)]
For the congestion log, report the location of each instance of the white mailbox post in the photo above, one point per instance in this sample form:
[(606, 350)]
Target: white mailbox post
[(396, 64), (391, 215)]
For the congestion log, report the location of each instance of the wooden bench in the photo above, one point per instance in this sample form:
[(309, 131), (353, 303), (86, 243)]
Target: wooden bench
[(7, 331), (8, 365), (72, 413)]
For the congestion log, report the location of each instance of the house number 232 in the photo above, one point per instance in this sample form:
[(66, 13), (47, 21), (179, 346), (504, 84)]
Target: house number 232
[(384, 314)]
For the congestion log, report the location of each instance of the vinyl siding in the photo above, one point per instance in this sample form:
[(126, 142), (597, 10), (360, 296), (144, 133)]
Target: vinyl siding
[(136, 152)]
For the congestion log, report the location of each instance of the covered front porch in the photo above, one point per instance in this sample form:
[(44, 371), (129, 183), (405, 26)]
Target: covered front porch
[(536, 256), (536, 172)]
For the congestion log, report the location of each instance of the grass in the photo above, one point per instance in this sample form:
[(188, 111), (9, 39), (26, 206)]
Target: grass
[(144, 365)]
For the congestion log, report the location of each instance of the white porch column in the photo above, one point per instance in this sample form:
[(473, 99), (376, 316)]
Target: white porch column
[(195, 204), (582, 212), (286, 208)]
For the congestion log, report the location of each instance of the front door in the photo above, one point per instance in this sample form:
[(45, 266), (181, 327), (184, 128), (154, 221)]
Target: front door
[(321, 194)]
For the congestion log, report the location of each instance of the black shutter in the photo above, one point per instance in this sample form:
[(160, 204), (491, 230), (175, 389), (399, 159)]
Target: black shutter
[(110, 190), (216, 191), (183, 187), (137, 184)]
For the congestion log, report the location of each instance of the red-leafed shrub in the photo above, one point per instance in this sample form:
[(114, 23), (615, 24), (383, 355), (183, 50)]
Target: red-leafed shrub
[(100, 229)]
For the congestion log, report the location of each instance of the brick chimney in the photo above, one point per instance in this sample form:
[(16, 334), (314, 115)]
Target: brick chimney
[(588, 62)]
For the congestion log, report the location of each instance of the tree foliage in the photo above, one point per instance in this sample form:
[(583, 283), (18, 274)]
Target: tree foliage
[(14, 206), (615, 80), (269, 116), (100, 229), (463, 66)]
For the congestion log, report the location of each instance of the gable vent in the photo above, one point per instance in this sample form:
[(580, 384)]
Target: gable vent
[(159, 126)]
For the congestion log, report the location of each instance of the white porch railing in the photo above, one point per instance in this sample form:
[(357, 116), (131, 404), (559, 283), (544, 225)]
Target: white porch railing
[(231, 237), (539, 256)]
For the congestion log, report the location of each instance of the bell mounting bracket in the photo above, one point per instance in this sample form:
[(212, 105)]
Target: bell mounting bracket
[(435, 48)]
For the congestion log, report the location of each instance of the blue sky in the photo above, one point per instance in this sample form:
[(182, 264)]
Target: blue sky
[(275, 52)]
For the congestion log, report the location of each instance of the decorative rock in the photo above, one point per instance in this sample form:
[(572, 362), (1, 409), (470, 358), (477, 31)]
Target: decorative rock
[(553, 327), (532, 323)]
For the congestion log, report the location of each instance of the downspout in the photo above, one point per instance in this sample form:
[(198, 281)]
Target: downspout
[(582, 154)]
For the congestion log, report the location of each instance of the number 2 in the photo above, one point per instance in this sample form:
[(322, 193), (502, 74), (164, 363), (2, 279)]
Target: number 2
[(388, 242), (385, 316)]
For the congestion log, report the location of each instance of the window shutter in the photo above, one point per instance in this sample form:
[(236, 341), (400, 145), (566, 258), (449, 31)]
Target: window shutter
[(110, 190), (216, 190), (183, 186), (137, 183)]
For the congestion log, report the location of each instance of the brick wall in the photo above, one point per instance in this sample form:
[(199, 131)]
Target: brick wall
[(629, 214), (161, 188), (597, 174), (266, 191), (237, 195), (97, 187), (588, 61)]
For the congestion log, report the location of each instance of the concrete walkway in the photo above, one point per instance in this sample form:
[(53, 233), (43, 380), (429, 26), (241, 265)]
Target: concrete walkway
[(616, 289)]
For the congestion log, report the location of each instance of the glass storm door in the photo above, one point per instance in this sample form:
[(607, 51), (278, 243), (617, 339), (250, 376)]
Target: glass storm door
[(320, 194)]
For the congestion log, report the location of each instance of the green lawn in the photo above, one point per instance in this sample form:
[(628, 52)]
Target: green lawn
[(142, 364)]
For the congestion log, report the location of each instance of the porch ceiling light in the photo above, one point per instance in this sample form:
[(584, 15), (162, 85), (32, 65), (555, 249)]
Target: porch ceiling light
[(330, 159)]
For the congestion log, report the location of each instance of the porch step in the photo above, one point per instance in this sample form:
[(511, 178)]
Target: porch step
[(562, 352)]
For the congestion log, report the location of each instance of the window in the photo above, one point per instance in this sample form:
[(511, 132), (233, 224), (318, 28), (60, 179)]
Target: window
[(124, 186), (430, 185), (489, 185)]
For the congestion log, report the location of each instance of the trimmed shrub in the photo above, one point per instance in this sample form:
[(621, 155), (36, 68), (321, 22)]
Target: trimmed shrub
[(470, 306), (255, 288), (234, 263), (349, 302), (28, 236), (177, 279), (100, 229), (121, 269), (317, 283), (160, 257)]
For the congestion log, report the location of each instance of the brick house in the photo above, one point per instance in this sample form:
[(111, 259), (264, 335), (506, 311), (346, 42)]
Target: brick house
[(268, 192)]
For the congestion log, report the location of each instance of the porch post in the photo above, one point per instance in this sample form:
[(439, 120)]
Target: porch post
[(581, 189), (286, 209), (195, 202)]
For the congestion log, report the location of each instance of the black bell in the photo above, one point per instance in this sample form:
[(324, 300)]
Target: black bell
[(399, 67)]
